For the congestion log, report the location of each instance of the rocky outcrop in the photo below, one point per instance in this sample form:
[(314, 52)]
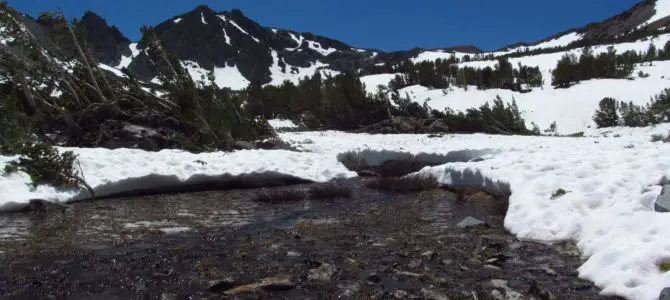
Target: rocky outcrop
[(663, 201), (106, 42)]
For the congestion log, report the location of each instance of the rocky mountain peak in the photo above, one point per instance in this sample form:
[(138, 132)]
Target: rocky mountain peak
[(106, 42)]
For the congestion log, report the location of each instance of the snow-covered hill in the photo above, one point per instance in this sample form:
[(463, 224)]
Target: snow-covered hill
[(572, 108)]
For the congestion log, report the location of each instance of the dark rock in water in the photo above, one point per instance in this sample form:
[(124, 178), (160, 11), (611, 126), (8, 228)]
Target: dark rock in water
[(663, 201), (374, 278), (537, 290), (219, 286), (470, 222), (665, 294), (367, 173), (41, 206)]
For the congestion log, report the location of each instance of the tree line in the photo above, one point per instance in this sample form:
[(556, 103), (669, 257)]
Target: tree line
[(571, 69), (618, 113), (443, 73)]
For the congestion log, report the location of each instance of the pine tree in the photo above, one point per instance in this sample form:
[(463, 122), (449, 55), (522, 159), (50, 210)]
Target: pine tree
[(606, 115), (651, 53), (565, 73)]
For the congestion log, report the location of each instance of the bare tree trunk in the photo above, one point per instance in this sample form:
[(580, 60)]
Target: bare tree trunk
[(87, 65), (26, 92)]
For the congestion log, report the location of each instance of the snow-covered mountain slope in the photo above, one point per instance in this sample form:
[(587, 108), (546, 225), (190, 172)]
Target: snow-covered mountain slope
[(572, 109), (653, 14), (240, 50), (236, 47), (223, 40)]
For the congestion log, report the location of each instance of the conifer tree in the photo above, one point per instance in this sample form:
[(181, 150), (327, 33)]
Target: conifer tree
[(606, 115)]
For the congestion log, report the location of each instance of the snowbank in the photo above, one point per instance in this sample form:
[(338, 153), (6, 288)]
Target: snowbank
[(118, 171)]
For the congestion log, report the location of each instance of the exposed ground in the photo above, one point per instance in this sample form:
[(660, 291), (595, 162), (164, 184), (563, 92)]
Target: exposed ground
[(226, 244)]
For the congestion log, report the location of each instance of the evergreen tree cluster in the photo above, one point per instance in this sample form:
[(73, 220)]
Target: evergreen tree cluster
[(571, 70), (332, 102), (499, 118), (441, 74), (614, 113)]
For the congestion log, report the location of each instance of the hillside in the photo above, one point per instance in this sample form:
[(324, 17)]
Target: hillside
[(239, 50), (229, 50)]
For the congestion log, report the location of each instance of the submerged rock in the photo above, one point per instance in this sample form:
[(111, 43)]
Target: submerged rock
[(277, 283), (665, 294), (470, 222), (323, 273)]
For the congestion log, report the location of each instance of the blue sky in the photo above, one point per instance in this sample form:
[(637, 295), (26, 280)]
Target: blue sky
[(383, 24)]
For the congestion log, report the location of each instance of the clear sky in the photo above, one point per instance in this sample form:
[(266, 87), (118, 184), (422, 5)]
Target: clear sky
[(382, 24)]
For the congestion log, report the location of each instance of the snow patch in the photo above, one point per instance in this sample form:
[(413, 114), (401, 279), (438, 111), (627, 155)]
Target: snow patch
[(298, 40), (224, 77), (202, 18), (229, 77), (278, 123), (227, 37), (177, 20), (294, 76), (318, 48), (441, 54), (115, 71), (243, 31), (373, 81), (127, 60), (560, 41)]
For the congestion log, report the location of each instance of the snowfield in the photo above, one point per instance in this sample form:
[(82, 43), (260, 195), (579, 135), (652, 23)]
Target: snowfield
[(572, 109), (612, 177)]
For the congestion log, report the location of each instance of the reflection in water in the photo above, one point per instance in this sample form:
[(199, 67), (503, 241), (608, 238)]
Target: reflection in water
[(118, 219), (14, 227)]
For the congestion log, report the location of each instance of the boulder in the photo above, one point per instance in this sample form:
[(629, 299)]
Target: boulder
[(663, 201)]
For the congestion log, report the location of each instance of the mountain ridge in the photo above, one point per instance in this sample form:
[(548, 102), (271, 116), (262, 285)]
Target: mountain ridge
[(232, 43)]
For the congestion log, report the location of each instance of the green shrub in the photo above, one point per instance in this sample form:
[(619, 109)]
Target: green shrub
[(45, 165), (558, 193)]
